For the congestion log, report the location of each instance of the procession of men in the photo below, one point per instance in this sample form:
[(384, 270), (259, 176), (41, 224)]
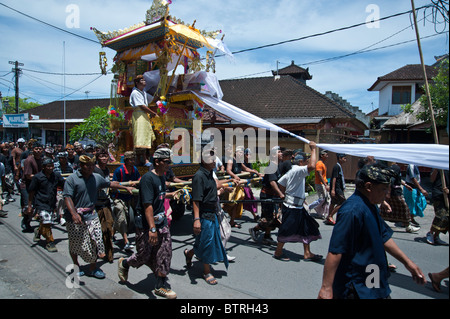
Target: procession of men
[(90, 233)]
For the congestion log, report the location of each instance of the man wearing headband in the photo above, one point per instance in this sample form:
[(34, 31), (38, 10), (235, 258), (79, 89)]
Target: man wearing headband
[(42, 197), (83, 225), (359, 243), (153, 240)]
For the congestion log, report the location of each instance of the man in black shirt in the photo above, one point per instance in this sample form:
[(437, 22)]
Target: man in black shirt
[(103, 205), (208, 245), (42, 193), (337, 188), (270, 191), (153, 240)]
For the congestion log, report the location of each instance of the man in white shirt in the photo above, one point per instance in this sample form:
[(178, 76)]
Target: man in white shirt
[(143, 135), (297, 225)]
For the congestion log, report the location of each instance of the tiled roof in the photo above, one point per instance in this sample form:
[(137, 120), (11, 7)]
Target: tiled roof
[(410, 72), (266, 97), (285, 97), (295, 71), (80, 109), (75, 109)]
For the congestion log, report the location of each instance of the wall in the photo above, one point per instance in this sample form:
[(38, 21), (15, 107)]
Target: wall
[(385, 99)]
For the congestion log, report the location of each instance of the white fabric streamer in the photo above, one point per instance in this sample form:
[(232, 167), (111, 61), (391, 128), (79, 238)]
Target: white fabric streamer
[(428, 155)]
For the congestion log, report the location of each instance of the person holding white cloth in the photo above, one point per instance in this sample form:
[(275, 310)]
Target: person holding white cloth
[(297, 225)]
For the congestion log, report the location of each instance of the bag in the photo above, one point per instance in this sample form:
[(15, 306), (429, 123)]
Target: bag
[(225, 227)]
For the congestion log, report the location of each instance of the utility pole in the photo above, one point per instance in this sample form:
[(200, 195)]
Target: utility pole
[(427, 90), (17, 72)]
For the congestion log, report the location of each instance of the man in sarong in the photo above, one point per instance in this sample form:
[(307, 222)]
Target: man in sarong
[(297, 225), (83, 224), (42, 197), (153, 240), (143, 135), (208, 245)]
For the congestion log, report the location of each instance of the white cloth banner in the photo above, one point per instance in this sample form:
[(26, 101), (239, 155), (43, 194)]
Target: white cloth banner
[(428, 155)]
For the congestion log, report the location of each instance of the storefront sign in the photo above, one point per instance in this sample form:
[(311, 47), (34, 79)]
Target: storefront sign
[(15, 120)]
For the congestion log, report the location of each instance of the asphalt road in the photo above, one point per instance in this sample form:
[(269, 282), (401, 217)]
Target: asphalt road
[(28, 271)]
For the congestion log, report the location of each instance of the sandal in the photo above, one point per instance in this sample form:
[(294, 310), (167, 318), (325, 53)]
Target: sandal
[(188, 259), (97, 273), (209, 278), (436, 285), (236, 225), (314, 258), (282, 257), (392, 267)]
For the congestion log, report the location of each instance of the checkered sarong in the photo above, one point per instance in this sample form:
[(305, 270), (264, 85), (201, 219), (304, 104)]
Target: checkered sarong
[(85, 239), (400, 211)]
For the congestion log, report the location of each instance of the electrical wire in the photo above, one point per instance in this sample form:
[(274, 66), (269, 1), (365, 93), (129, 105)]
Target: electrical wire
[(343, 56), (325, 32), (59, 73), (48, 24)]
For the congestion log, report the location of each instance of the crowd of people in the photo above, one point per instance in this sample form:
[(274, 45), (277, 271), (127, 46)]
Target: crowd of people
[(73, 186)]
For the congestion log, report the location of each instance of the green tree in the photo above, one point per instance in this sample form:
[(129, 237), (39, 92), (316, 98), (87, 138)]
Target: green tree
[(24, 104), (439, 93), (95, 127)]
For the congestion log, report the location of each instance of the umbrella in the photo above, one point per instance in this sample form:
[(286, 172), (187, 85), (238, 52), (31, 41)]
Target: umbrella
[(190, 33)]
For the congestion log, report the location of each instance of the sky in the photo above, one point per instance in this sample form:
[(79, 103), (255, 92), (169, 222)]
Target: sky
[(47, 53)]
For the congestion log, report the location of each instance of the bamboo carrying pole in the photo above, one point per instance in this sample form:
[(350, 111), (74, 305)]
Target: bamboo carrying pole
[(427, 91), (230, 184), (187, 183)]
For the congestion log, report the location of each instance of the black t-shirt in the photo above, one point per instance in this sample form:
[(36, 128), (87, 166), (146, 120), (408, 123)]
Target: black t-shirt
[(204, 187), (337, 173), (436, 191), (271, 173), (285, 167), (102, 198), (45, 190), (152, 190), (396, 182)]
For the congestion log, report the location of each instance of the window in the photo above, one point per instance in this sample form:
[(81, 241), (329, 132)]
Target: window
[(401, 94)]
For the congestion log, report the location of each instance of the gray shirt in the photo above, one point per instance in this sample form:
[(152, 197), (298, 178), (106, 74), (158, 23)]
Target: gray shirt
[(294, 182), (83, 192)]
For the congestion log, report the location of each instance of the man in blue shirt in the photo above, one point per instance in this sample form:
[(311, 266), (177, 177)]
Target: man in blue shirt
[(125, 173), (356, 265)]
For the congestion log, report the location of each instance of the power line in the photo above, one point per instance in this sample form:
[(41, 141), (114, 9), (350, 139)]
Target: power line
[(345, 55), (324, 33), (48, 24), (59, 73)]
